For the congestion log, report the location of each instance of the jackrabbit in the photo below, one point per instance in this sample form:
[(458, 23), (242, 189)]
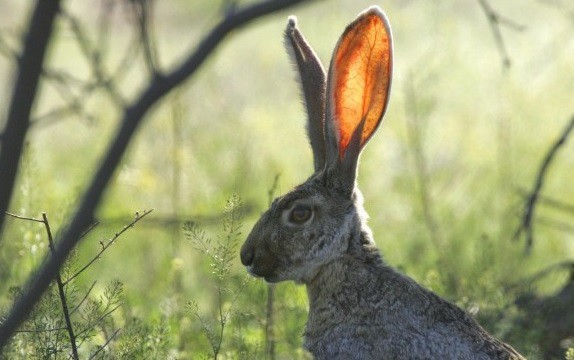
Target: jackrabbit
[(360, 308)]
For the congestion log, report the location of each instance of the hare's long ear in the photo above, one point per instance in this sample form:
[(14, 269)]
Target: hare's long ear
[(358, 91), (313, 81)]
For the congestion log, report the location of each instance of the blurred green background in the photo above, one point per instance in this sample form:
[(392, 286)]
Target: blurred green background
[(444, 179)]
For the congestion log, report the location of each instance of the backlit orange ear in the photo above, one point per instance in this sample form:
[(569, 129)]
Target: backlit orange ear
[(360, 77)]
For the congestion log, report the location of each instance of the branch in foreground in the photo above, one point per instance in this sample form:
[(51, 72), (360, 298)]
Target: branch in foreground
[(158, 88), (30, 65), (526, 225), (62, 293)]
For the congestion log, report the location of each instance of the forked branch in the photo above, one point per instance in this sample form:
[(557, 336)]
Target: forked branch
[(495, 21)]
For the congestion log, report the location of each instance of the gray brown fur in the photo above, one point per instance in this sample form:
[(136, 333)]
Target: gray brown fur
[(360, 308)]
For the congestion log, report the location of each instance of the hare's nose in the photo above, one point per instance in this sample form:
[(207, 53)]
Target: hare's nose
[(247, 255)]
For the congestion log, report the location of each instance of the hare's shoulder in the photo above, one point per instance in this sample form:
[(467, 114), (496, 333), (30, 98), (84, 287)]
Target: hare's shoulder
[(378, 310), (431, 324)]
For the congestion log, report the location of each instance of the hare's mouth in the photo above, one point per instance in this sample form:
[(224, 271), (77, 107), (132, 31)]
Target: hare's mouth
[(269, 278), (251, 272)]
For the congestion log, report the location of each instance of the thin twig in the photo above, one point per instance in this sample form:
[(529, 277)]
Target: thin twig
[(104, 19), (107, 244), (551, 202), (495, 20), (542, 274), (176, 221), (94, 57), (24, 217), (527, 223), (84, 298), (105, 344), (142, 10), (40, 330), (98, 320), (563, 226), (132, 118), (62, 293)]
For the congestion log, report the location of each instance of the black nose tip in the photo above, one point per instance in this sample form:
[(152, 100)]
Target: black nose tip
[(247, 256)]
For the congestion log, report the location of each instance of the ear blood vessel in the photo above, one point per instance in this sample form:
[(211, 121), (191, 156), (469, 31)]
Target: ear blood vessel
[(359, 307)]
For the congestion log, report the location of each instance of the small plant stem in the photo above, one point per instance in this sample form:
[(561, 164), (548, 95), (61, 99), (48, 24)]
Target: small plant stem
[(62, 293), (105, 344), (269, 324), (177, 115), (222, 320), (270, 309), (415, 134)]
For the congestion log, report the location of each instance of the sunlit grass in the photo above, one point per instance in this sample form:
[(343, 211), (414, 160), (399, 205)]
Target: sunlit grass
[(485, 131)]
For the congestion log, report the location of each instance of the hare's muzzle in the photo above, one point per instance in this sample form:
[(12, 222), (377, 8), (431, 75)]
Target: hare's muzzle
[(257, 257), (247, 255)]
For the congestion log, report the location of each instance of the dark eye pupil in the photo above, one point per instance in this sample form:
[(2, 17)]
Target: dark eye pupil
[(300, 214)]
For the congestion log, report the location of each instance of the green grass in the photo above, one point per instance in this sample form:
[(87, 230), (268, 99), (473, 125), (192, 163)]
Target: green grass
[(484, 132)]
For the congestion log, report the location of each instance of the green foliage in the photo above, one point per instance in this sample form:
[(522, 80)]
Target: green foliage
[(44, 333), (221, 257), (443, 179)]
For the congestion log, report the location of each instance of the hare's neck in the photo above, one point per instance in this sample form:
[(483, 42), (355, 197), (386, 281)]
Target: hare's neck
[(342, 278)]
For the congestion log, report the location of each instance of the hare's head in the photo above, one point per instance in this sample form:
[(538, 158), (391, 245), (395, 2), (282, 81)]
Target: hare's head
[(322, 219)]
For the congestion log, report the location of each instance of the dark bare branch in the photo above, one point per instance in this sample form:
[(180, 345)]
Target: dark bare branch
[(132, 118), (527, 222), (18, 121)]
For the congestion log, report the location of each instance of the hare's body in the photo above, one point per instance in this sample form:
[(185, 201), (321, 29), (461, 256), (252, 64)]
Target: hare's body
[(317, 235), (361, 308)]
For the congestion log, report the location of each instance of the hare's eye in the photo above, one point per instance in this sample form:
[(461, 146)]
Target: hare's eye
[(300, 214)]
